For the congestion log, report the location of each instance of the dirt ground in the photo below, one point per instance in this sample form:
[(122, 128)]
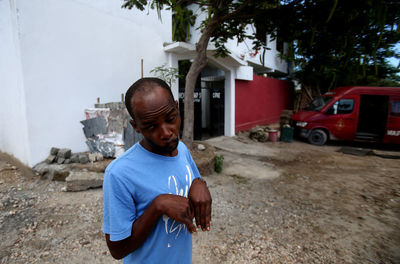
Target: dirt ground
[(274, 202)]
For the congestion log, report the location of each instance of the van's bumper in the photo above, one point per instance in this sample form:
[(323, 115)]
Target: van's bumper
[(304, 132)]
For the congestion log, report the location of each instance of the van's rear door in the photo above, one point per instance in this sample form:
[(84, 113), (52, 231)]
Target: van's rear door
[(392, 134)]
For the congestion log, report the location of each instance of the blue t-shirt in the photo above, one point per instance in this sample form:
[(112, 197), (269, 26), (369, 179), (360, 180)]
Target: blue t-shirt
[(131, 182)]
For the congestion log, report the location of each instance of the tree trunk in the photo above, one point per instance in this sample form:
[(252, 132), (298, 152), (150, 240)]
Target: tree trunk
[(199, 62)]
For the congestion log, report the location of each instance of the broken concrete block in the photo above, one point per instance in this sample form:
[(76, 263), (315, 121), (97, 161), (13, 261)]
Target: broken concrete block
[(83, 158), (54, 151), (75, 158), (99, 156), (92, 157), (64, 153), (60, 175), (107, 149), (94, 126), (47, 171), (60, 160), (80, 181), (50, 159)]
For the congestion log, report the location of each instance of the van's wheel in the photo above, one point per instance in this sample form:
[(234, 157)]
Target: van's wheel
[(318, 137)]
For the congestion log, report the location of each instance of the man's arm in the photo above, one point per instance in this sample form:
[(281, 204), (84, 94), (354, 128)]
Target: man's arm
[(200, 199), (174, 206)]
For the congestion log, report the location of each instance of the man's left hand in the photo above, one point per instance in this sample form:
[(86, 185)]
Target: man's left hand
[(200, 199)]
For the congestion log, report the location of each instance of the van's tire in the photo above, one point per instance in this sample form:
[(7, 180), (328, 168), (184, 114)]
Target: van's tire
[(318, 137)]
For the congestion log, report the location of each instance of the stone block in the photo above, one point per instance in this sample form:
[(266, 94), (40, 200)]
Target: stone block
[(50, 159), (64, 153), (80, 181), (60, 160), (67, 161), (75, 158), (54, 151), (99, 156), (83, 158), (92, 157)]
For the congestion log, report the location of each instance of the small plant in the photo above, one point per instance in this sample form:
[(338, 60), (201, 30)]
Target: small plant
[(219, 160), (168, 74)]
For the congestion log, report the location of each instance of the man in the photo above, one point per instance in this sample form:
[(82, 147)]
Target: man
[(154, 190)]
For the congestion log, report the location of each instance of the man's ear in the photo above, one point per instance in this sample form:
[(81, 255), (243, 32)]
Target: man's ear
[(134, 125), (177, 104)]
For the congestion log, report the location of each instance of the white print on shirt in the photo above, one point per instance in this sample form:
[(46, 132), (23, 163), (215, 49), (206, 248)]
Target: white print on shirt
[(171, 227)]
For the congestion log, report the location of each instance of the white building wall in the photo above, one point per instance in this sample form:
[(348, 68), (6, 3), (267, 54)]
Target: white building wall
[(13, 126), (74, 51), (243, 50)]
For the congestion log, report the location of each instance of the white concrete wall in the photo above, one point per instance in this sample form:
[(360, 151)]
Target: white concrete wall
[(72, 52), (243, 50), (13, 125)]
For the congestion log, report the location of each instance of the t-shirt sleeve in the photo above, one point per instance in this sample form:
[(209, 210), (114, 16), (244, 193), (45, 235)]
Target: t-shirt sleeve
[(119, 208)]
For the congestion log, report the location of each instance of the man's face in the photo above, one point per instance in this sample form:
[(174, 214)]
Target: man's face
[(156, 117)]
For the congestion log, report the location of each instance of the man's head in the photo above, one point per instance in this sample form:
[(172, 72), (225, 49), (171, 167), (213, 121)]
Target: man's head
[(155, 115)]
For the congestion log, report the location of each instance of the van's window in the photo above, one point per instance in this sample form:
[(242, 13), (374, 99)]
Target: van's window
[(395, 109), (318, 103), (340, 107)]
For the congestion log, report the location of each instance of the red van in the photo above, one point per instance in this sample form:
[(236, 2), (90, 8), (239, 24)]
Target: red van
[(351, 113)]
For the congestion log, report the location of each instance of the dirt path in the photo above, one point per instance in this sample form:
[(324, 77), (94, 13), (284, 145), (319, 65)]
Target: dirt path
[(273, 203)]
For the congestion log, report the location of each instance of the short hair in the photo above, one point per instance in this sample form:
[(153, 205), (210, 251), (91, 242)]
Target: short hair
[(143, 84)]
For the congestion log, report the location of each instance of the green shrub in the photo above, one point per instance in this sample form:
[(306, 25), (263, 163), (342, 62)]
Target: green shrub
[(219, 161)]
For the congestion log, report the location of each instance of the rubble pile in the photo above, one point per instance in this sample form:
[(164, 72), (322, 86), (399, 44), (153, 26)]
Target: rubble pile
[(65, 156)]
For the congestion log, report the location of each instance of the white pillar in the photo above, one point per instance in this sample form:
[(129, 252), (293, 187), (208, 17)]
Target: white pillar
[(229, 103)]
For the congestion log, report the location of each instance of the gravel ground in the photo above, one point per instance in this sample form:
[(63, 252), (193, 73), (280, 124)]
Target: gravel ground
[(273, 203)]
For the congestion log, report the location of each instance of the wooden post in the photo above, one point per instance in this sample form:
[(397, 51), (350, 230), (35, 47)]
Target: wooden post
[(122, 97), (141, 67), (98, 100)]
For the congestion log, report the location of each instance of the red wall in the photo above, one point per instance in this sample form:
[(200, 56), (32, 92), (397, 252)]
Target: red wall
[(261, 101)]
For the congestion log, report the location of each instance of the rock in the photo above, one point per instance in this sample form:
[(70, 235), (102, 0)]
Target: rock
[(80, 181), (60, 175), (75, 158), (99, 166), (60, 160), (83, 158), (201, 147), (67, 161), (204, 159), (54, 151), (92, 157), (47, 171), (64, 153), (99, 157), (258, 134), (50, 159)]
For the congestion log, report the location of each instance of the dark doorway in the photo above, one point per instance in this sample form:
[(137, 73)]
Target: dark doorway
[(372, 117), (216, 123)]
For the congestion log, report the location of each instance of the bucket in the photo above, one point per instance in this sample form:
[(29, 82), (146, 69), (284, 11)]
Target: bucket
[(273, 135)]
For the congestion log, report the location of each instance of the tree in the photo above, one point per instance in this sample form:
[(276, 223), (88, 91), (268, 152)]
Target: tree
[(335, 43), (226, 19)]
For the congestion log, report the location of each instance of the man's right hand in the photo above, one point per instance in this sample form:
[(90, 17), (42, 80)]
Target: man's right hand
[(178, 208)]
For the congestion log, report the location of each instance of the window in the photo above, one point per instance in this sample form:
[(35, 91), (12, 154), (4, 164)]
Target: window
[(395, 109), (340, 107)]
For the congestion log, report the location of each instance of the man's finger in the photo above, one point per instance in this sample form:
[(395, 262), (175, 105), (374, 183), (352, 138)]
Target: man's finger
[(203, 217), (190, 226), (208, 216), (197, 214)]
